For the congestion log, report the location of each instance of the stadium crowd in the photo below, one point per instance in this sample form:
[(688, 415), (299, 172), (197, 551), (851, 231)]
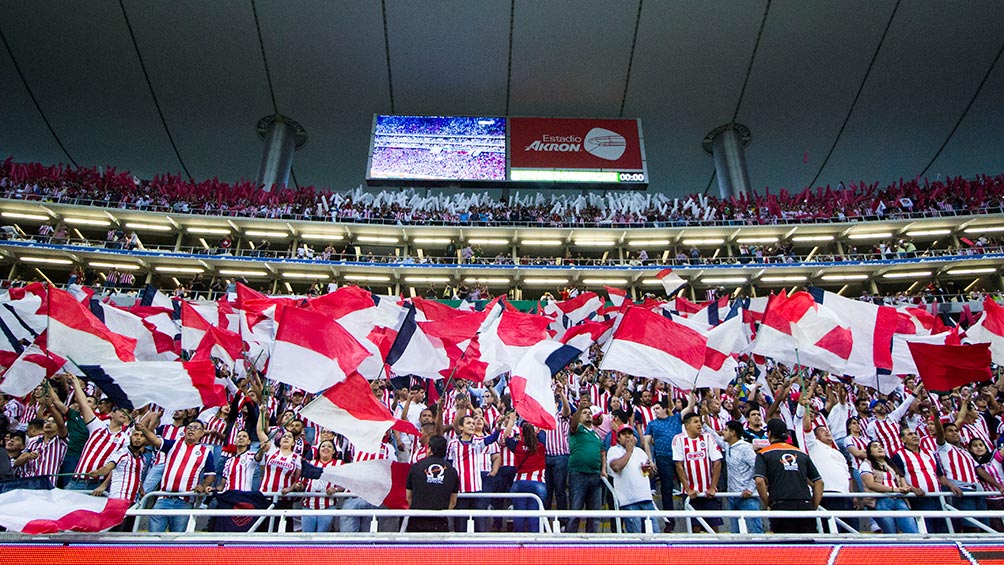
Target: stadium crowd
[(171, 193), (658, 445)]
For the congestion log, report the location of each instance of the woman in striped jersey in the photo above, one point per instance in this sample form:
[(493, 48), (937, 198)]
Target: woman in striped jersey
[(326, 458), (531, 461), (239, 464), (880, 477)]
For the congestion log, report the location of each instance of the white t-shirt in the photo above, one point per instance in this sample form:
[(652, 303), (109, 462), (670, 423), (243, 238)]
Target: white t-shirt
[(630, 485)]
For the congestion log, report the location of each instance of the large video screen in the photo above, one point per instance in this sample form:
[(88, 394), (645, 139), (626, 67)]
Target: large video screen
[(448, 148), (498, 152)]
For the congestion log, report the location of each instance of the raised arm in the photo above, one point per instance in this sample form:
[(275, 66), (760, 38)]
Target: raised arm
[(86, 412)]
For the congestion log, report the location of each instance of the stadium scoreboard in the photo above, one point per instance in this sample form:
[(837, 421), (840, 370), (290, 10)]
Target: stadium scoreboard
[(499, 152)]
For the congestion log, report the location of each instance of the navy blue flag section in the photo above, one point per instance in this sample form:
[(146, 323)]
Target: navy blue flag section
[(30, 483), (237, 499)]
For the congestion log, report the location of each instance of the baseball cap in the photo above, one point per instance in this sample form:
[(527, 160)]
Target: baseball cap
[(873, 403), (595, 410), (624, 428), (777, 428)]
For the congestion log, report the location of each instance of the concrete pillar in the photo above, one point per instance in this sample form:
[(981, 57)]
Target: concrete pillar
[(282, 137), (726, 144)]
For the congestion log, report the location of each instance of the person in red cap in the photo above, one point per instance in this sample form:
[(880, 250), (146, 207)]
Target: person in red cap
[(630, 467)]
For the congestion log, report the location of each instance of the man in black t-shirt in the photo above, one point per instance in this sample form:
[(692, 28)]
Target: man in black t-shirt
[(432, 485), (786, 479)]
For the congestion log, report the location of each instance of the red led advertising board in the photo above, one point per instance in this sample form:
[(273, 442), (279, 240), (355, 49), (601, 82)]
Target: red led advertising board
[(575, 143)]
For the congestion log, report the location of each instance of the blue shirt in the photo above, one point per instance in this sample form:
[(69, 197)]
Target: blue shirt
[(663, 430)]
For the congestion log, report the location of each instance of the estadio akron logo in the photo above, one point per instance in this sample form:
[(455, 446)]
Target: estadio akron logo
[(575, 143)]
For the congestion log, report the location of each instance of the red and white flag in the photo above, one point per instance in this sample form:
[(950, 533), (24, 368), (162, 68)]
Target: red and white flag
[(218, 343), (990, 329), (530, 385), (194, 326), (170, 385), (671, 282), (944, 367), (572, 311), (28, 370), (502, 342), (617, 296), (795, 329), (57, 510), (151, 345), (350, 409), (75, 334), (872, 327), (651, 346), (381, 482), (312, 352)]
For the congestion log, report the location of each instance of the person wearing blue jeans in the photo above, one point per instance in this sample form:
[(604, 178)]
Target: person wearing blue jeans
[(585, 460), (634, 525), (630, 467), (658, 444), (170, 523), (521, 524), (893, 525), (752, 503)]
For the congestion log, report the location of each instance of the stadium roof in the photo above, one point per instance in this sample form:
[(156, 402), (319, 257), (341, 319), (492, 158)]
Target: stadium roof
[(902, 75)]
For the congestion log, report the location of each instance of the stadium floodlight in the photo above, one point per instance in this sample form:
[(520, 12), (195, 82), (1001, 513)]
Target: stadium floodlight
[(243, 273), (705, 241), (47, 260), (972, 271), (322, 236), (376, 239), (266, 233), (984, 229), (651, 282), (487, 280), (648, 243), (541, 242), (432, 240), (170, 269), (925, 233), (545, 281), (845, 277), (23, 216), (208, 231), (812, 238), (87, 221), (119, 266), (723, 280), (488, 241), (367, 278), (758, 239), (292, 275), (613, 282), (870, 235), (151, 227), (595, 242), (907, 275), (784, 279), (427, 279)]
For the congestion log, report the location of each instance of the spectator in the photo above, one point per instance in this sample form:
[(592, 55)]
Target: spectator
[(189, 468), (659, 435), (103, 439), (698, 466), (786, 479), (432, 484), (584, 468), (326, 458), (921, 471), (740, 463), (825, 455), (880, 477), (557, 445), (630, 468), (530, 463)]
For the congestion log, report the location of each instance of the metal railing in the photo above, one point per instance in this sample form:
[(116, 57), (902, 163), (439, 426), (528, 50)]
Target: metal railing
[(549, 521)]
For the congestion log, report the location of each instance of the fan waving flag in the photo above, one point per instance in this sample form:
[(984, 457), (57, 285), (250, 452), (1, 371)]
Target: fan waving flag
[(872, 327), (350, 409), (944, 367), (671, 282), (170, 385), (311, 351), (651, 346), (76, 334), (51, 511), (530, 385)]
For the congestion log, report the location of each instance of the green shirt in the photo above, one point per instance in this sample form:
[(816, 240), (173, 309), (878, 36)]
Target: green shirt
[(76, 432), (584, 451)]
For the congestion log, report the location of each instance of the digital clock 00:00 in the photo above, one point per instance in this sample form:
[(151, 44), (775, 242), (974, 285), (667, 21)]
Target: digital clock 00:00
[(630, 177)]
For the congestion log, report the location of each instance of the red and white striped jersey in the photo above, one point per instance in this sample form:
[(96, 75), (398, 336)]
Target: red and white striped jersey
[(217, 425), (168, 432), (99, 445), (13, 410), (697, 455), (50, 457), (970, 431), (920, 469), (30, 413), (492, 416), (239, 424), (929, 445), (317, 485), (418, 452), (717, 423), (127, 474), (680, 394), (643, 415), (185, 463), (467, 457), (599, 397), (238, 472), (958, 464), (386, 451), (860, 443), (556, 440), (995, 470), (279, 470), (886, 476), (886, 432)]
